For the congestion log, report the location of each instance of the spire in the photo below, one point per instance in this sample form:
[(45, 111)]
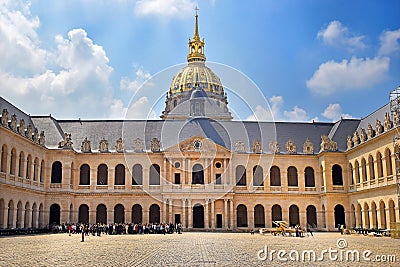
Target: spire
[(196, 45)]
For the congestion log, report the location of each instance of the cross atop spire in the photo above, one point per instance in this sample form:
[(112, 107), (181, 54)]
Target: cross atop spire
[(196, 45), (196, 27)]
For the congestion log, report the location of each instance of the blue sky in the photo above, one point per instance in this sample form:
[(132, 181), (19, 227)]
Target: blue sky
[(318, 60)]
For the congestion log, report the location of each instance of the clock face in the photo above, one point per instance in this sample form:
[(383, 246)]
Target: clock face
[(197, 144)]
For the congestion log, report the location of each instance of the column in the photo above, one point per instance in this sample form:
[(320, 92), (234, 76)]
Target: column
[(232, 216), (110, 215), (163, 217), (364, 215), (212, 214), (303, 218), (14, 221), (225, 214), (93, 178), (206, 219), (225, 176), (207, 178), (5, 217), (22, 222), (145, 211), (267, 218), (387, 217), (250, 217), (379, 219), (189, 174), (190, 214), (92, 216), (170, 214), (128, 179), (111, 178), (183, 220), (184, 174), (128, 215), (28, 217)]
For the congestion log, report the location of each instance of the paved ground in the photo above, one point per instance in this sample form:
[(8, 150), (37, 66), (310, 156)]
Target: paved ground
[(188, 249)]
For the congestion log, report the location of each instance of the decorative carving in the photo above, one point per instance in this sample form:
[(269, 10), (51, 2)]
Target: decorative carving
[(290, 147), (138, 145), (327, 144), (29, 132), (120, 145), (103, 146), (155, 145), (36, 135), (387, 124), (371, 132), (4, 117), (13, 124), (66, 143), (240, 147), (356, 138), (396, 118), (21, 129), (378, 127), (274, 147), (363, 135), (85, 147), (42, 138), (257, 148), (308, 147), (349, 142)]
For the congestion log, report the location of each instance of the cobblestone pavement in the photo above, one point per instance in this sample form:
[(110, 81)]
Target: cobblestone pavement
[(188, 249)]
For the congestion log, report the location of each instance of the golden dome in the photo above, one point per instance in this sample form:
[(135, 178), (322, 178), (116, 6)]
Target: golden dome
[(196, 75)]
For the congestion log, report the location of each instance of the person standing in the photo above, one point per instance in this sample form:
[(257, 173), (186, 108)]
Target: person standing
[(83, 233)]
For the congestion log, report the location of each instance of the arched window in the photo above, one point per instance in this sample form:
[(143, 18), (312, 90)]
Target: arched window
[(120, 174), (241, 216), (364, 170), (371, 167), (197, 174), (55, 213), (4, 153), (137, 175), (56, 172), (84, 175), (102, 174), (292, 176), (13, 162), (388, 161), (83, 216), (101, 213), (21, 164), (276, 214), (240, 175), (35, 169), (312, 216), (154, 174), (294, 217), (339, 215), (337, 177), (309, 177), (357, 171), (154, 213), (29, 167), (379, 164), (351, 174), (258, 176), (275, 176), (136, 214), (119, 213), (41, 171)]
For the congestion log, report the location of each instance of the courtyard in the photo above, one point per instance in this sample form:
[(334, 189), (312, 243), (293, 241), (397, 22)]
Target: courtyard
[(194, 249)]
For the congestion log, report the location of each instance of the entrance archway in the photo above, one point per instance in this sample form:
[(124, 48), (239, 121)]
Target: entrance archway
[(54, 214), (101, 214), (198, 216), (339, 215), (83, 215), (119, 213)]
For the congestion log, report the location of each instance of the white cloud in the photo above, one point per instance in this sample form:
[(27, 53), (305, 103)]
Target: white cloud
[(141, 109), (141, 77), (390, 42), (358, 73), (297, 114), (335, 113), (165, 8), (335, 34), (117, 109)]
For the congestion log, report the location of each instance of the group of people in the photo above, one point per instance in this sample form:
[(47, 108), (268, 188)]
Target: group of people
[(117, 228)]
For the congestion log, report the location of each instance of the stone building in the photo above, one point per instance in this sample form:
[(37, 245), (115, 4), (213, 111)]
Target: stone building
[(197, 166)]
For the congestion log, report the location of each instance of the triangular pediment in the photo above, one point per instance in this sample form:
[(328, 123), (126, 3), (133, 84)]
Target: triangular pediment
[(197, 144)]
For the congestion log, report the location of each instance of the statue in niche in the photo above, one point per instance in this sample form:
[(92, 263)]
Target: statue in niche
[(138, 145), (240, 147), (349, 142), (103, 145), (13, 124), (371, 132), (387, 124), (42, 138), (363, 135), (327, 144), (21, 128), (274, 147), (257, 148), (290, 147), (85, 147), (66, 143), (120, 145), (155, 145), (4, 117), (29, 131), (378, 127), (308, 147), (36, 135), (396, 118), (356, 139)]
